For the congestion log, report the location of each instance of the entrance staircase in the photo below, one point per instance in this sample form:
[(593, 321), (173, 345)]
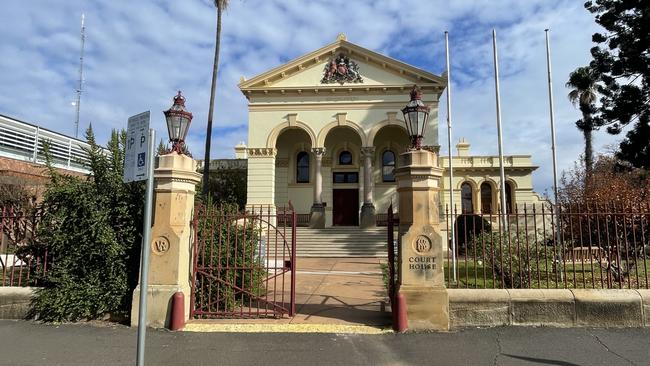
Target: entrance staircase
[(341, 242)]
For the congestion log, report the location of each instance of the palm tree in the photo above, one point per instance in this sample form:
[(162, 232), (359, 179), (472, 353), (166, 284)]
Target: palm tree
[(583, 82), (221, 5)]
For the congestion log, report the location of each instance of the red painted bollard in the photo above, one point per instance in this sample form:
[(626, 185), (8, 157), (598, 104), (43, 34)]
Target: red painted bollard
[(177, 320), (400, 321)]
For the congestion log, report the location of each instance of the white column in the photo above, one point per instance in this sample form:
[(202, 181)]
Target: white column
[(261, 177), (368, 153), (317, 217), (368, 218), (318, 186)]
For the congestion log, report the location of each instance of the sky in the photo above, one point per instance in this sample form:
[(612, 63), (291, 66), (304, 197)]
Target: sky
[(139, 53)]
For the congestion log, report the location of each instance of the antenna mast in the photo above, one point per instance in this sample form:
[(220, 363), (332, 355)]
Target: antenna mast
[(81, 71)]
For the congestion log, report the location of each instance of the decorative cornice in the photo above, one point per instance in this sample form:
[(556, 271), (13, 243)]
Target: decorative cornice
[(330, 105), (261, 152), (428, 89)]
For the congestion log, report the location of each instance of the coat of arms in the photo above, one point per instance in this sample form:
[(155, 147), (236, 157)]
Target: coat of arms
[(341, 69)]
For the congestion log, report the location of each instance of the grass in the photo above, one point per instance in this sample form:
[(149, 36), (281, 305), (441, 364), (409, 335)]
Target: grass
[(476, 274)]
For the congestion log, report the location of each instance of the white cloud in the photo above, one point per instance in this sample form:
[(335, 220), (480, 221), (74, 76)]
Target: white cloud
[(140, 53)]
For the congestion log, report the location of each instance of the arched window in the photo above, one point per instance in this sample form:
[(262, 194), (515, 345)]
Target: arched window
[(509, 202), (388, 166), (486, 198), (466, 198), (302, 167), (345, 158)]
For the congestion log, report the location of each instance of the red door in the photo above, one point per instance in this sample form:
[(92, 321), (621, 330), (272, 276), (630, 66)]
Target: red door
[(346, 207)]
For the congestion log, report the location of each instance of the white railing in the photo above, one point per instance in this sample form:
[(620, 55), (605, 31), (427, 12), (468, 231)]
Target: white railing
[(23, 141)]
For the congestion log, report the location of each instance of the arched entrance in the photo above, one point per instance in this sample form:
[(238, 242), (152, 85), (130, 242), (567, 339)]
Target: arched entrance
[(389, 142), (342, 176), (294, 170)]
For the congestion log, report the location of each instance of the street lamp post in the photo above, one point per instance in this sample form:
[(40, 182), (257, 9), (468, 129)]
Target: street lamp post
[(416, 115), (178, 123), (422, 302)]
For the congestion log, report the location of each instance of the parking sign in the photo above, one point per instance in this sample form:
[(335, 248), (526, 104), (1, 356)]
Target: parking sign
[(136, 160)]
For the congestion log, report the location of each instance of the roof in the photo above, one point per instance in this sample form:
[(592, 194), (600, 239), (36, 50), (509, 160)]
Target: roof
[(397, 74)]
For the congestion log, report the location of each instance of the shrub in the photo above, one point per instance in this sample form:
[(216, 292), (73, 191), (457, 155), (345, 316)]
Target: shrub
[(92, 229), (511, 260)]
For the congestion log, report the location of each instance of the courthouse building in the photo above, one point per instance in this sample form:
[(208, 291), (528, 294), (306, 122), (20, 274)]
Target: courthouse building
[(325, 131)]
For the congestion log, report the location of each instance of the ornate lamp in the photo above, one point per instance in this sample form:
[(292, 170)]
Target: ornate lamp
[(416, 115), (178, 123)]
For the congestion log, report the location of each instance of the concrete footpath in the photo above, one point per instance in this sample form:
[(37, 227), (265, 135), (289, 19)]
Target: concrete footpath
[(30, 343), (332, 295)]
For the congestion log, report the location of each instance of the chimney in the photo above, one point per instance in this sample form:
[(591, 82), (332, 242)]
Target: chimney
[(240, 151), (462, 147)]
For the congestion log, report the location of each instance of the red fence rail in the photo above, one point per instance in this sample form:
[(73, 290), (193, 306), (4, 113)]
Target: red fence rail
[(535, 246), (18, 230), (244, 262)]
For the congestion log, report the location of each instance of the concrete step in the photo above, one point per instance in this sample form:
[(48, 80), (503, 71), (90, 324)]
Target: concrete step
[(339, 242)]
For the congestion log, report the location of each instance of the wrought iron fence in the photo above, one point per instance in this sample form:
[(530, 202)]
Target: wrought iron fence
[(18, 266), (244, 262), (591, 245)]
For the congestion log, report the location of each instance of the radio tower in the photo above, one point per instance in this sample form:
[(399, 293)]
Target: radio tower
[(81, 71)]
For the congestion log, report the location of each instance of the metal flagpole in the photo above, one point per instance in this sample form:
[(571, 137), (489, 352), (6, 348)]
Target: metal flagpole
[(552, 115), (144, 258), (504, 211), (451, 165), (81, 77)]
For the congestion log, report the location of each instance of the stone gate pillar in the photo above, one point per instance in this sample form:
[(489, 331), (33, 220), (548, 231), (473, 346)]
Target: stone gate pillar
[(170, 267), (421, 276)]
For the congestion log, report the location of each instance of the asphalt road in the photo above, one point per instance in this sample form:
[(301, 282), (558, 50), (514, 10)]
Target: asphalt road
[(30, 343)]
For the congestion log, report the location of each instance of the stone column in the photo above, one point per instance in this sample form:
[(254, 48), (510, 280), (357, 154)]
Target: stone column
[(368, 217), (170, 267), (317, 218), (261, 177), (421, 277)]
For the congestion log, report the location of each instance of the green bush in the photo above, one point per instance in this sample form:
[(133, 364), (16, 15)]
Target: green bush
[(513, 262), (236, 273), (91, 227), (228, 186)]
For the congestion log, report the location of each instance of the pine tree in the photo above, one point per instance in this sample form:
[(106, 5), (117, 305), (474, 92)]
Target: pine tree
[(622, 60)]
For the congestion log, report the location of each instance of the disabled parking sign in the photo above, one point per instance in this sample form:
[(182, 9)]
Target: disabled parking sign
[(136, 160)]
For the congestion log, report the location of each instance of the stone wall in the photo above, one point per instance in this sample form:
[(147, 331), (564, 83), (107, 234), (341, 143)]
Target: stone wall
[(549, 307), (15, 302)]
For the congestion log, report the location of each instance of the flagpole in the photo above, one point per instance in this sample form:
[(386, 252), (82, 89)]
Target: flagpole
[(451, 165), (500, 136), (553, 151)]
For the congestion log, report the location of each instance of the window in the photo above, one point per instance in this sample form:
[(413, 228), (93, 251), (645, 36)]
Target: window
[(345, 158), (302, 167), (388, 166), (486, 198), (346, 177), (466, 198), (509, 206)]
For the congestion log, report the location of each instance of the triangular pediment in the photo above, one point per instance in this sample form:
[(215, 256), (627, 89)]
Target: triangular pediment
[(361, 68)]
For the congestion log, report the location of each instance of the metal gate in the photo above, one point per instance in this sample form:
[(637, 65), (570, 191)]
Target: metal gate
[(393, 246), (244, 262)]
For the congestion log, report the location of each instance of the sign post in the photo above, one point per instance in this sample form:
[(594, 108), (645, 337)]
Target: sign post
[(138, 165)]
